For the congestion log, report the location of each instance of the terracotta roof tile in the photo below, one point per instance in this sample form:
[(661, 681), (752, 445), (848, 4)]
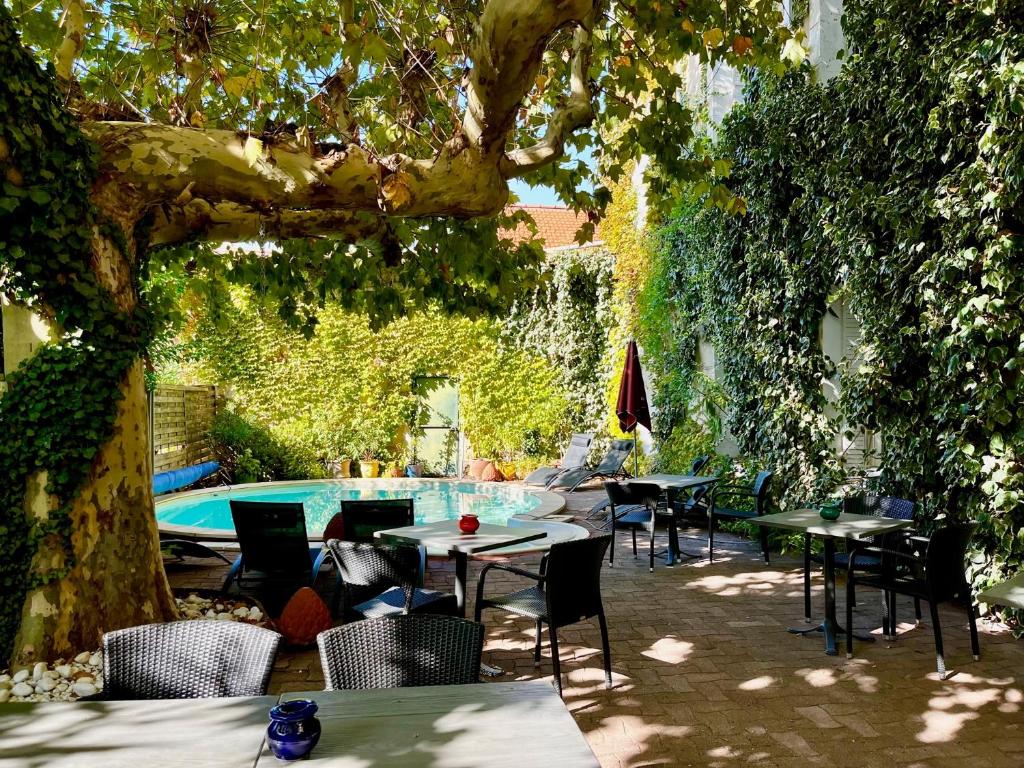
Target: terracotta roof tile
[(556, 226)]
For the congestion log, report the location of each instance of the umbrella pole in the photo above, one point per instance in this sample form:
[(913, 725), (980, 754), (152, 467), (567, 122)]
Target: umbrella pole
[(636, 452)]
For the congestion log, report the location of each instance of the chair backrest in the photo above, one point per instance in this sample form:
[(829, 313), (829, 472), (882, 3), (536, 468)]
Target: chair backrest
[(761, 483), (362, 564), (364, 517), (188, 660), (579, 448), (625, 494), (401, 652), (944, 566), (573, 579), (699, 463), (612, 462), (272, 536), (892, 507)]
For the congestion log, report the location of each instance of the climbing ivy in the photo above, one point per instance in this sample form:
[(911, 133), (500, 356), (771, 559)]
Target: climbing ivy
[(60, 405), (897, 186)]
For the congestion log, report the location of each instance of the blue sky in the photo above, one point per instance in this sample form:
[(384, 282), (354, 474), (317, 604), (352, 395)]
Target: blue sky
[(533, 195)]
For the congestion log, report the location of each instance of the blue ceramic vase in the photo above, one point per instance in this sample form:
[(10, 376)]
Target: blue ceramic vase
[(294, 729)]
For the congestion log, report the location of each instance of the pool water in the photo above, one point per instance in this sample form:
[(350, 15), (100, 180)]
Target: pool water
[(321, 500)]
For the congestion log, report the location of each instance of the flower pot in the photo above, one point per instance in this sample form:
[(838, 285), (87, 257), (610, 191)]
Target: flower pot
[(469, 523), (395, 471), (830, 510), (342, 467), (414, 470), (369, 468), (294, 729)]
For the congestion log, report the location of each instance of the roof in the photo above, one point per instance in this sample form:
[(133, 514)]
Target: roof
[(556, 225)]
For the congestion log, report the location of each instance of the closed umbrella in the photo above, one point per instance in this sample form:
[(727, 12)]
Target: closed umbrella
[(631, 407)]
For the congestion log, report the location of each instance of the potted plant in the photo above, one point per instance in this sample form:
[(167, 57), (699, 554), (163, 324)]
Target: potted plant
[(369, 464)]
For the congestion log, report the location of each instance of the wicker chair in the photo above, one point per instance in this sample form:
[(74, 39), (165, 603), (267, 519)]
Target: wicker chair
[(388, 575), (568, 590), (936, 574), (401, 652), (869, 504), (635, 506), (758, 494), (188, 660)]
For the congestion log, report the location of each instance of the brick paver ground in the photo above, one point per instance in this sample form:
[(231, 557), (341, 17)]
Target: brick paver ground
[(706, 675)]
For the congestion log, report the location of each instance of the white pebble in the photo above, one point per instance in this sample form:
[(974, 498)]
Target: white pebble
[(83, 688), (240, 612), (219, 607), (51, 675), (63, 686), (64, 670), (45, 685), (96, 660), (223, 616), (5, 678), (22, 689), (83, 657), (5, 694), (86, 679), (21, 676), (211, 614), (194, 599), (255, 614), (38, 669)]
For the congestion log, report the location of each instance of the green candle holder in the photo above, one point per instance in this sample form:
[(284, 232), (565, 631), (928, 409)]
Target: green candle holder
[(831, 509)]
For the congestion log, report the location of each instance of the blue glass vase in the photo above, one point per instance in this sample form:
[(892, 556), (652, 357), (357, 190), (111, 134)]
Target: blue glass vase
[(294, 729)]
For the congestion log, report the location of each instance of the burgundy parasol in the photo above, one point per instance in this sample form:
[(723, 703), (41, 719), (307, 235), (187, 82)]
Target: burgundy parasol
[(631, 407)]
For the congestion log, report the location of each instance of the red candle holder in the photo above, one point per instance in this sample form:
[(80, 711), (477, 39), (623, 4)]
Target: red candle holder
[(469, 523)]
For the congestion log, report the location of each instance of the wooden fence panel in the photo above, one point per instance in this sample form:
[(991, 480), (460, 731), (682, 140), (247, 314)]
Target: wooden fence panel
[(180, 418)]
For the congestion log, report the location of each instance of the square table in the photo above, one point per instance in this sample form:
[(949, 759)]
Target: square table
[(197, 733), (498, 725), (446, 537), (672, 485), (847, 526), (1009, 593)]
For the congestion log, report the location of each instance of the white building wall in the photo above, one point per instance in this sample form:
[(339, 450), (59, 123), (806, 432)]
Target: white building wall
[(825, 38)]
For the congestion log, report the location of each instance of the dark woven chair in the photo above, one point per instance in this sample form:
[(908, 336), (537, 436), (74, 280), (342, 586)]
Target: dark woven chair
[(934, 573), (362, 518), (401, 652), (757, 496), (610, 467), (381, 581), (635, 507), (276, 556), (188, 660), (870, 504), (575, 456), (567, 591)]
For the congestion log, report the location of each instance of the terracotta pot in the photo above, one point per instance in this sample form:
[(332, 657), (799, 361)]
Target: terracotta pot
[(369, 468)]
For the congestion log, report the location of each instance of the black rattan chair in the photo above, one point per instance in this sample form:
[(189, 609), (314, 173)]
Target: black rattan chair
[(935, 574), (401, 652), (188, 660), (568, 590), (362, 518), (758, 494), (634, 507), (869, 504), (381, 581)]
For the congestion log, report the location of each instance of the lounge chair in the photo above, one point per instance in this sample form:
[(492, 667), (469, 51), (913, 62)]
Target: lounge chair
[(610, 468), (276, 556), (575, 457)]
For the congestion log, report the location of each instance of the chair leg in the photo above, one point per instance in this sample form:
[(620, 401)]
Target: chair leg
[(611, 549), (654, 527), (807, 577), (711, 538), (556, 667), (886, 634), (764, 544), (634, 543), (606, 648), (849, 616), (892, 614), (536, 647), (917, 609), (940, 661), (972, 620)]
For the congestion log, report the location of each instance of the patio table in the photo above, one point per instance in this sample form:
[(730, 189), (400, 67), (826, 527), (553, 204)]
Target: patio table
[(518, 725), (672, 485), (1009, 593), (198, 733), (446, 537), (847, 526)]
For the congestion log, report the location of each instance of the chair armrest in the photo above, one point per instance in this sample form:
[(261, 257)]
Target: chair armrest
[(510, 569), (732, 491), (884, 553)]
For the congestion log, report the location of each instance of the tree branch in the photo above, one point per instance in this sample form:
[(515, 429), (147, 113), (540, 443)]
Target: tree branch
[(73, 21), (577, 113)]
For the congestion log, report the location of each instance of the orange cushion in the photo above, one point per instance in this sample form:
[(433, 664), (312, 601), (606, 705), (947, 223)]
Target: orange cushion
[(304, 617)]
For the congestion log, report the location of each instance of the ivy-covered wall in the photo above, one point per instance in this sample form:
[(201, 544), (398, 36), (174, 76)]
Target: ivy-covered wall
[(898, 187), (525, 382)]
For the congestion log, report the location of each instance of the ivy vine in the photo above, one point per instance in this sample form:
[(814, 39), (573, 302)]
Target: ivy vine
[(60, 405)]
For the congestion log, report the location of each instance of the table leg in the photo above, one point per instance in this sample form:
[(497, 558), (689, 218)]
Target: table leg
[(461, 564)]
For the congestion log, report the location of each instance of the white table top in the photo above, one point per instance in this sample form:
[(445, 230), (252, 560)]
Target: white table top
[(847, 526), (1010, 593), (198, 733), (673, 482), (445, 535), (492, 725)]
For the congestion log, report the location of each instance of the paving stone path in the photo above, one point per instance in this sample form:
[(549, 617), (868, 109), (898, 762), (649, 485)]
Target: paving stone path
[(706, 674)]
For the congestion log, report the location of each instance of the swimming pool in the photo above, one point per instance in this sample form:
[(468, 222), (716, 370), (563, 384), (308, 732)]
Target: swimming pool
[(207, 512)]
